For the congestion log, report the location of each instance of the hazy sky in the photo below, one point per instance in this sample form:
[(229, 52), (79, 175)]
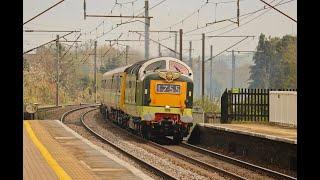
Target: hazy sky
[(69, 16)]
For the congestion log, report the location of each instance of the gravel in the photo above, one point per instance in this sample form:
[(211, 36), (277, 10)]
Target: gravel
[(175, 166), (78, 127), (243, 158), (248, 174)]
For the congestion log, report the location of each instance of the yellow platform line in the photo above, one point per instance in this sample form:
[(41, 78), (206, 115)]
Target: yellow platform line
[(45, 153)]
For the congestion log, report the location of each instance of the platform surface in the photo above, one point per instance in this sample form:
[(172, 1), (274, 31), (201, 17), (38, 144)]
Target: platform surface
[(272, 132), (55, 151)]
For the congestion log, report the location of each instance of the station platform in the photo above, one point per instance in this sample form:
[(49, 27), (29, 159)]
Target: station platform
[(266, 145), (51, 150), (272, 132)]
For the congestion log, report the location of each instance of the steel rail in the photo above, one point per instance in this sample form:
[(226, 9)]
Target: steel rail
[(216, 155), (158, 171), (191, 159), (237, 162), (76, 109), (184, 157), (198, 162)]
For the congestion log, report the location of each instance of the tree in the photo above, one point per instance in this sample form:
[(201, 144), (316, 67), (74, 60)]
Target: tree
[(275, 63), (26, 66), (208, 105), (112, 63)]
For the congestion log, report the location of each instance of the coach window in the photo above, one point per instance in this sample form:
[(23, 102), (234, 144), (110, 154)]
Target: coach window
[(130, 83), (109, 84), (112, 83)]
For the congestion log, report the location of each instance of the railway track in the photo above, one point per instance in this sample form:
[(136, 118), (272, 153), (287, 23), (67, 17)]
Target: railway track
[(191, 160), (157, 171), (173, 149), (243, 164), (188, 153)]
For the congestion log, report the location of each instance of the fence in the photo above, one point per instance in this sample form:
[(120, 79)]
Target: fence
[(246, 104)]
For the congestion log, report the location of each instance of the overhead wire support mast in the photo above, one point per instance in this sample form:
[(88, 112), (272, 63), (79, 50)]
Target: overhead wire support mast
[(230, 36), (203, 56), (211, 58), (70, 46), (70, 41), (95, 71), (54, 31), (146, 29), (233, 65), (278, 10), (123, 40), (47, 43), (180, 52), (161, 44), (57, 69), (120, 16), (43, 12), (238, 12), (244, 51), (157, 31)]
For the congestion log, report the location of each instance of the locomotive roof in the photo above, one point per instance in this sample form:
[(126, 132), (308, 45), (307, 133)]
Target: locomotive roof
[(116, 70), (140, 66)]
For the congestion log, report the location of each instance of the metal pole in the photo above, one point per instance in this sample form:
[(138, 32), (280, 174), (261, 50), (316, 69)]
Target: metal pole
[(238, 13), (175, 44), (211, 72), (190, 53), (159, 48), (180, 33), (77, 51), (127, 51), (95, 71), (57, 69), (203, 54), (198, 72), (84, 10), (147, 26), (233, 70)]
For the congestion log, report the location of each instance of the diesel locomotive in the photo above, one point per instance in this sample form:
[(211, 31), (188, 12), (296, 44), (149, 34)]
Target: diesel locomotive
[(152, 97)]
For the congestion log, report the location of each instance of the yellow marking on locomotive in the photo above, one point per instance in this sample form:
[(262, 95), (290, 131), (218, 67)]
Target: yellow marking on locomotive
[(122, 89), (170, 99)]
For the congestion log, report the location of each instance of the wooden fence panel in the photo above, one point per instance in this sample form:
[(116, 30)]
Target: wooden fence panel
[(246, 105)]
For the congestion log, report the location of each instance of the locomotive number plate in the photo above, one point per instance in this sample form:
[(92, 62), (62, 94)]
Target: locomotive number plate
[(168, 88)]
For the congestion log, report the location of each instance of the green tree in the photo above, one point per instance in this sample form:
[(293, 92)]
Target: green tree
[(275, 63), (112, 63), (26, 66)]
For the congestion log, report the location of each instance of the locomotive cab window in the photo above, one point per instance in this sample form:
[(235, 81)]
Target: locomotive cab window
[(175, 66), (156, 66)]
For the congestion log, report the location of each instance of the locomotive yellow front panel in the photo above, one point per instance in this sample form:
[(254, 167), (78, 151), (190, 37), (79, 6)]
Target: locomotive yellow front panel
[(163, 93)]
